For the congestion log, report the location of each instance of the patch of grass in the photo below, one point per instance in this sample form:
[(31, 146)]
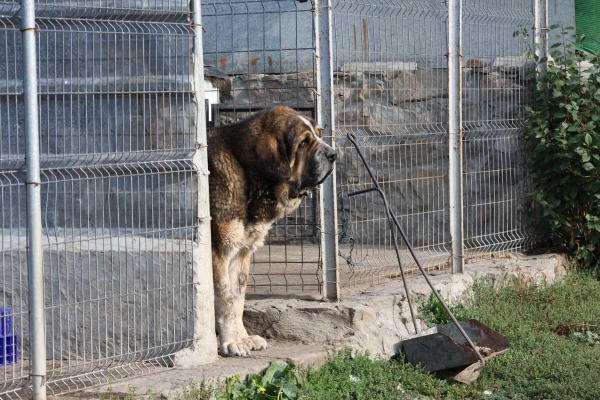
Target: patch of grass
[(197, 391), (360, 377), (541, 363), (552, 356)]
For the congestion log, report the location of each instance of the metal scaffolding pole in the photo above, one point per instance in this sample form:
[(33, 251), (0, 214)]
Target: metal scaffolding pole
[(455, 133), (328, 199), (37, 328), (540, 37)]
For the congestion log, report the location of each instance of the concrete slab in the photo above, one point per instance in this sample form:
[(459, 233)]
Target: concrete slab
[(168, 383)]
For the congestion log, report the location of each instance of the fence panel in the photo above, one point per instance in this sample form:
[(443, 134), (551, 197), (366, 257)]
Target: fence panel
[(117, 128), (14, 305), (258, 54), (495, 93), (391, 92), (117, 119)]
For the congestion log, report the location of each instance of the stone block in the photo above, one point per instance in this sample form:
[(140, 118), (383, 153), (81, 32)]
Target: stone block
[(419, 85)]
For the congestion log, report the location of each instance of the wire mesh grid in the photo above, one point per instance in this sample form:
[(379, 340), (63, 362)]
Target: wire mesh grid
[(391, 92), (117, 132), (13, 245), (259, 54), (495, 93), (118, 266)]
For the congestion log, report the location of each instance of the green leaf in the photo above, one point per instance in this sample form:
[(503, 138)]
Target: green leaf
[(588, 139), (555, 26), (290, 390), (588, 166), (275, 369)]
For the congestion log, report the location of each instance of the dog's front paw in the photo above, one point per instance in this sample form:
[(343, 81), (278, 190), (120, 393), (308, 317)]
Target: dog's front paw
[(255, 342), (238, 348), (243, 346)]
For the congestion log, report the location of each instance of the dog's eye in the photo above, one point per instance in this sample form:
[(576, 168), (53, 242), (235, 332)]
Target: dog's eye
[(304, 143)]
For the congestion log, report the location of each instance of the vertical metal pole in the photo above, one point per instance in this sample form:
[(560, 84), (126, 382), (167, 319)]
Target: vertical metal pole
[(37, 328), (455, 133), (203, 349), (325, 112), (540, 36)]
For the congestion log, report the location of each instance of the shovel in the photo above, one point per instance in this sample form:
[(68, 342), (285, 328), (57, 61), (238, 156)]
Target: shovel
[(444, 347)]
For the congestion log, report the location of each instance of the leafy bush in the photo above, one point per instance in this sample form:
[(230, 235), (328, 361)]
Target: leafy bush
[(433, 313), (279, 381), (563, 148)]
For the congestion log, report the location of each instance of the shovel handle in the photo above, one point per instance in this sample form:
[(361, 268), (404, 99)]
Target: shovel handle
[(391, 214)]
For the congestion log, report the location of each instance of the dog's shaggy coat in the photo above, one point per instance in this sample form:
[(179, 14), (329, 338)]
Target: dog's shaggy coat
[(259, 170)]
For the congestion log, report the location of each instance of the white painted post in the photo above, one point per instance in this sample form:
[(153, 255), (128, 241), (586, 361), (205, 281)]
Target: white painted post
[(203, 349), (325, 112), (455, 133), (540, 34)]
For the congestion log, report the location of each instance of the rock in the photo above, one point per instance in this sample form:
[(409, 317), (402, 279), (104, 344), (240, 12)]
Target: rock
[(475, 63), (354, 114), (496, 87), (419, 85), (381, 69), (378, 319), (512, 64)]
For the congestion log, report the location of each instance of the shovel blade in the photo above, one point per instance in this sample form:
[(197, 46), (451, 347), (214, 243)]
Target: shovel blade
[(443, 347), (469, 374)]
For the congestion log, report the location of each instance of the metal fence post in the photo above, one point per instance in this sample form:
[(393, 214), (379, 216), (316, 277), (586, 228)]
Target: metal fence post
[(204, 345), (37, 328), (540, 37), (455, 133), (325, 113)]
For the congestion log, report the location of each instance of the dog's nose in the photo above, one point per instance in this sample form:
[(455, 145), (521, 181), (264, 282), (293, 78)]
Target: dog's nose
[(332, 156)]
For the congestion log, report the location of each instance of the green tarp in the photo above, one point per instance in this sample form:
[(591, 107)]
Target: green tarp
[(587, 19)]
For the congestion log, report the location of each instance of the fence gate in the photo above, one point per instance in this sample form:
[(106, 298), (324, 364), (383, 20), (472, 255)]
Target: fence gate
[(118, 133)]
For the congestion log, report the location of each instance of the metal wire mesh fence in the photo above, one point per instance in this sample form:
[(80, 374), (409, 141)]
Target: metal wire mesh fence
[(118, 131), (262, 54), (117, 122), (495, 93), (392, 89), (391, 82)]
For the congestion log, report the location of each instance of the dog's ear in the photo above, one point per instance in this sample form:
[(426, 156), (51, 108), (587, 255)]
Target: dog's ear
[(272, 153), (319, 129)]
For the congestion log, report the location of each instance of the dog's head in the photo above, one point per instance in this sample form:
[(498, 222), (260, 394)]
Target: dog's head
[(290, 148)]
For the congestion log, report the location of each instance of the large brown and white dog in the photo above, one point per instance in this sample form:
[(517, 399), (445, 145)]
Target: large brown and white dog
[(259, 170)]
